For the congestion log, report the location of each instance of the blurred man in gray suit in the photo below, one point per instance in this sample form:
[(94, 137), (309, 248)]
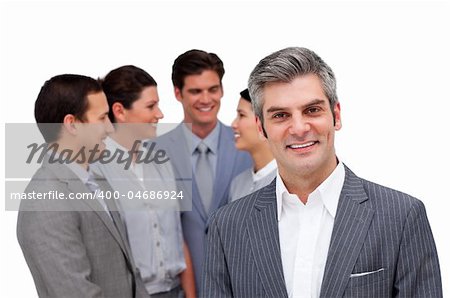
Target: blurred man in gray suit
[(317, 230), (201, 149), (75, 246)]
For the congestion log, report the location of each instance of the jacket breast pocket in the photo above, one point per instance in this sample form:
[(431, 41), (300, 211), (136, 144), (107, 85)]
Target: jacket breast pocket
[(374, 283), (367, 277)]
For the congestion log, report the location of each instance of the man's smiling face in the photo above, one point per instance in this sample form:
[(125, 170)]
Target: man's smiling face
[(299, 124), (200, 96)]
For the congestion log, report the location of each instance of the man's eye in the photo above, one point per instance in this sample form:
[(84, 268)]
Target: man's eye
[(313, 110), (279, 115)]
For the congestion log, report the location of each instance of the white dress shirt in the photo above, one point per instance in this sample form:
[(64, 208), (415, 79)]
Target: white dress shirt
[(305, 233)]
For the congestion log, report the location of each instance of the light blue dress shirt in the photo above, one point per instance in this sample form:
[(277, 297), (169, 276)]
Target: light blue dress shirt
[(211, 140)]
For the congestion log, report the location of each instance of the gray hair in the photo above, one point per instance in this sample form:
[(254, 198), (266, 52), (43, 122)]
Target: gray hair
[(284, 66)]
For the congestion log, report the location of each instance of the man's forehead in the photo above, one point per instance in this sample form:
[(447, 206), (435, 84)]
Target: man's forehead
[(203, 77), (302, 90), (96, 98), (295, 105)]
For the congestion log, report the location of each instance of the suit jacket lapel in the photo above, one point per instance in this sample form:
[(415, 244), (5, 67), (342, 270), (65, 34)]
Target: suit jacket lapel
[(97, 208), (226, 152), (264, 238), (181, 158), (116, 226), (351, 225), (75, 185)]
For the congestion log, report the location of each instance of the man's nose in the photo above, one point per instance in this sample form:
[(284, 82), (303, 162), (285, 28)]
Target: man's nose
[(109, 127), (205, 97), (299, 125)]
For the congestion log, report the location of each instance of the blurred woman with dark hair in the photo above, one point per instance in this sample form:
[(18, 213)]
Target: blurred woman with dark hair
[(154, 232), (248, 138)]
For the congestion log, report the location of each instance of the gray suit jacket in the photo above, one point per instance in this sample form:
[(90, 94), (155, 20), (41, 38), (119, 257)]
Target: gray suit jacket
[(230, 163), (73, 248), (376, 229)]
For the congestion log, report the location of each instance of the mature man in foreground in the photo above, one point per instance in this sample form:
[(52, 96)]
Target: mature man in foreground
[(317, 230)]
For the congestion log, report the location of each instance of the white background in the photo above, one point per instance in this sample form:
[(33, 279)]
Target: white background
[(391, 60)]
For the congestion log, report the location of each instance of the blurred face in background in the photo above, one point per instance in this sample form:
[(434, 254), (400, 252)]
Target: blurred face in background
[(96, 126), (200, 96), (143, 111), (246, 134)]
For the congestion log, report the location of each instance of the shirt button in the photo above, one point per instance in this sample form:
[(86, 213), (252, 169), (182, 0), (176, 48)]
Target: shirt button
[(155, 225), (161, 264), (157, 243)]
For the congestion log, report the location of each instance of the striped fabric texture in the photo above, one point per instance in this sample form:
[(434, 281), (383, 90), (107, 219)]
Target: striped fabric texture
[(381, 246)]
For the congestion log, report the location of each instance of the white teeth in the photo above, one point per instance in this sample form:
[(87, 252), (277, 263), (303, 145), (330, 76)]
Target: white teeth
[(302, 145), (205, 109), (236, 135)]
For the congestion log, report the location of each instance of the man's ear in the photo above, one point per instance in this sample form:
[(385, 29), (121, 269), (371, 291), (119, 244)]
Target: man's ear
[(337, 116), (221, 89), (119, 112), (69, 124), (177, 92), (261, 130)]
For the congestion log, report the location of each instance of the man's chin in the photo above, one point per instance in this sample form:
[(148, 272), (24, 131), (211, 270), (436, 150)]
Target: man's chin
[(300, 164), (207, 121), (101, 147)]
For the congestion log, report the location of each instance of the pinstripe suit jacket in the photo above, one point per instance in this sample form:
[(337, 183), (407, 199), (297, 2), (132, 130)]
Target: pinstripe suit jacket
[(376, 230)]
